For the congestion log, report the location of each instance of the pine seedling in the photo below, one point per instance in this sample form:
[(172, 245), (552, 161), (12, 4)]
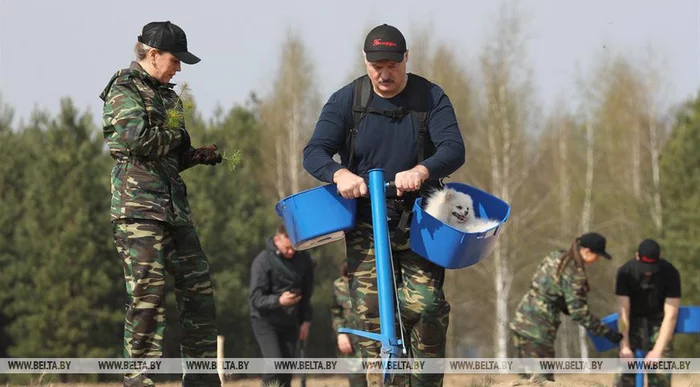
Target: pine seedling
[(175, 119), (233, 160), (184, 106)]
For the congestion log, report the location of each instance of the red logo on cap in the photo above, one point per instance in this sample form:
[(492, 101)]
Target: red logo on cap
[(378, 42)]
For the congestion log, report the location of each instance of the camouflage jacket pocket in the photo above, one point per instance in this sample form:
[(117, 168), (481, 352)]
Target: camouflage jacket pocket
[(140, 177), (144, 194)]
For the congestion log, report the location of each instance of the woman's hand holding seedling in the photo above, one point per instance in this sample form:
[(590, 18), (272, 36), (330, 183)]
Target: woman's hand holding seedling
[(209, 155)]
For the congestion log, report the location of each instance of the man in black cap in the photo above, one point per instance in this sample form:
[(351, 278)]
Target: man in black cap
[(406, 125), (648, 290), (152, 225)]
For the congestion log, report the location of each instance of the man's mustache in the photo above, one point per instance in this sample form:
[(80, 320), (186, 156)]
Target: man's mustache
[(388, 80)]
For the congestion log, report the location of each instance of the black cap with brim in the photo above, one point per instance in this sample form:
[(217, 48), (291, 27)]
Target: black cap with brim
[(168, 37), (649, 250), (376, 56), (385, 42), (187, 57), (595, 242)]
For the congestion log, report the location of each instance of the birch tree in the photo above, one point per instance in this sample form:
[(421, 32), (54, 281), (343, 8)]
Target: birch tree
[(621, 146), (558, 143), (586, 212), (651, 89), (288, 115), (509, 106), (446, 71)]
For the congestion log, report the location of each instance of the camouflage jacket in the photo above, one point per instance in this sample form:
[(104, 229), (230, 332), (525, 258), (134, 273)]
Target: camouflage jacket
[(537, 314), (145, 181), (341, 307)]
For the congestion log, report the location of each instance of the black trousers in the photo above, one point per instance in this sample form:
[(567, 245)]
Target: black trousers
[(275, 342)]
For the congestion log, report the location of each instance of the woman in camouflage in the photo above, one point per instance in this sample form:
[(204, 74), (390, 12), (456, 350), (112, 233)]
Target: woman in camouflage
[(152, 225), (560, 285)]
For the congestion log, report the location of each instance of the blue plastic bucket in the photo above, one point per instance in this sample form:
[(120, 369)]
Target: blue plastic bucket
[(317, 216), (600, 343), (688, 322), (688, 319), (450, 248)]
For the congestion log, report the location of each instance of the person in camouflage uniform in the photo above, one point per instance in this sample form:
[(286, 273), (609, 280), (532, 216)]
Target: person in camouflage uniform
[(648, 290), (152, 227), (559, 285), (389, 137), (343, 316)]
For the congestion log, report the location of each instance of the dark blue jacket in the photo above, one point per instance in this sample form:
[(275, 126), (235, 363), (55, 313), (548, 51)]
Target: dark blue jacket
[(383, 142)]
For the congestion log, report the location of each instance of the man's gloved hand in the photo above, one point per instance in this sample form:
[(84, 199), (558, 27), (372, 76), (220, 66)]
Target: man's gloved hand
[(614, 336), (207, 155)]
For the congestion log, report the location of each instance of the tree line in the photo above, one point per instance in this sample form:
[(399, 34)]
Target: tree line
[(614, 162)]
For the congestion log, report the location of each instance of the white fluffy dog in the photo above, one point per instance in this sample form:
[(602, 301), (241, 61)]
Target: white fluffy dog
[(457, 210)]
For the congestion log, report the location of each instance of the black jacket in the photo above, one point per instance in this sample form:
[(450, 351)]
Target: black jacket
[(272, 274)]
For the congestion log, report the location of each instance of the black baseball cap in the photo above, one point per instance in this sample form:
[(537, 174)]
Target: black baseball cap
[(649, 250), (168, 37), (595, 242), (385, 42)]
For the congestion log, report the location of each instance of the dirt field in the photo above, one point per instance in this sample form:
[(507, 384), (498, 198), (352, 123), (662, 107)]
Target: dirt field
[(450, 381)]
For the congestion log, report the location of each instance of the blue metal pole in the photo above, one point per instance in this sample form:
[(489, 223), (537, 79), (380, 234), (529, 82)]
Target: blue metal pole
[(377, 191), (639, 378)]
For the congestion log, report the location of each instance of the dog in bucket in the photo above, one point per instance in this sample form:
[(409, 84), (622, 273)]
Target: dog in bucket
[(456, 209)]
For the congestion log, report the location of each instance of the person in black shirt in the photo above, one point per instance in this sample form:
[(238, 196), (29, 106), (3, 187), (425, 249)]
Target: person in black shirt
[(281, 285), (648, 290)]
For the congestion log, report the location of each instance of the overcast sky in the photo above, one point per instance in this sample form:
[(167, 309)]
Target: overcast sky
[(55, 48)]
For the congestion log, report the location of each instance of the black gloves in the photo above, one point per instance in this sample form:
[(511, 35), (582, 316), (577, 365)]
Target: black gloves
[(613, 336), (207, 155), (192, 156)]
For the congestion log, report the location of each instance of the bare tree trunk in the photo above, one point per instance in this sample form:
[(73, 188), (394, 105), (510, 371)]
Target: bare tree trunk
[(498, 256), (508, 104), (588, 196), (657, 210), (636, 161), (294, 145), (654, 147), (586, 213), (503, 277), (564, 183), (502, 286), (279, 157), (582, 342), (567, 324), (564, 208)]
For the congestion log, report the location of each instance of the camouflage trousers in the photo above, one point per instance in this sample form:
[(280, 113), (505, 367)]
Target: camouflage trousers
[(149, 249), (644, 339), (528, 349), (424, 310)]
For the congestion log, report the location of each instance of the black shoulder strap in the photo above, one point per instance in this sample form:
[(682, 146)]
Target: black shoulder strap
[(419, 103), (362, 95)]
